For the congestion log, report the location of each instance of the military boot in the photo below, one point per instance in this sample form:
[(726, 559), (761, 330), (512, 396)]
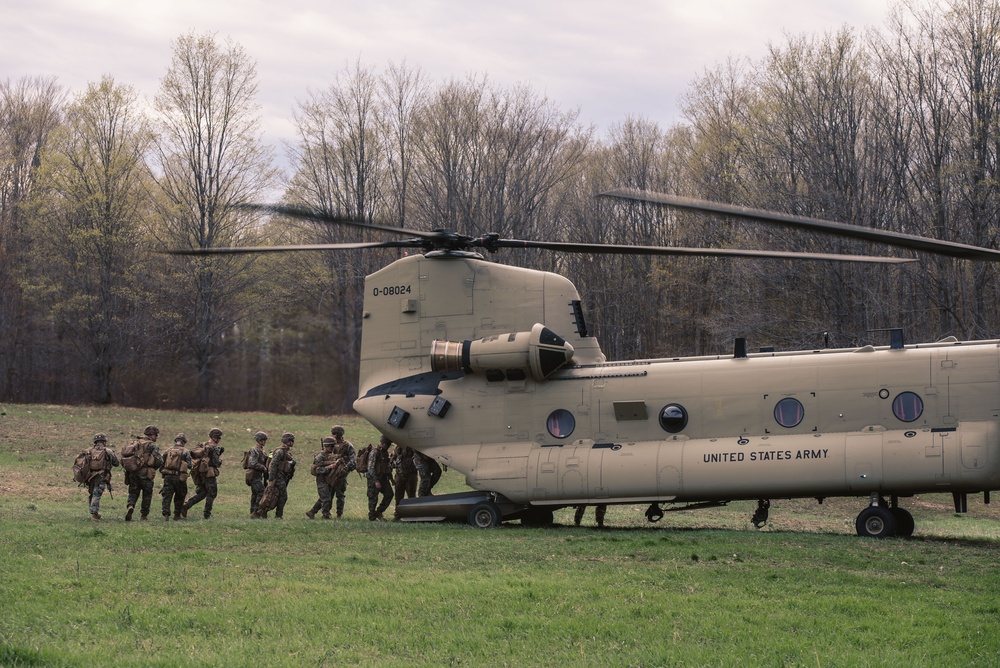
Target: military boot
[(128, 513), (311, 514), (95, 516), (184, 510), (208, 515)]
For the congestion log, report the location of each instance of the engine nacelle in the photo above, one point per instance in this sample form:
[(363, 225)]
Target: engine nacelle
[(541, 352)]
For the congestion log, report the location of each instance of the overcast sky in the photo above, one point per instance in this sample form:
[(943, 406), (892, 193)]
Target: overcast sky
[(607, 59)]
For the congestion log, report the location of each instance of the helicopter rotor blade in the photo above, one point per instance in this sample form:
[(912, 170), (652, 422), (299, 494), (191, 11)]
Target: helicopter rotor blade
[(410, 243), (618, 249), (899, 239), (304, 213)]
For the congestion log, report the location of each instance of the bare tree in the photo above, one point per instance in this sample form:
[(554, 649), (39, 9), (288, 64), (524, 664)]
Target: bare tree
[(210, 157)]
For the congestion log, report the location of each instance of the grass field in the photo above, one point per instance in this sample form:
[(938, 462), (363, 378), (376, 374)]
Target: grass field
[(696, 589)]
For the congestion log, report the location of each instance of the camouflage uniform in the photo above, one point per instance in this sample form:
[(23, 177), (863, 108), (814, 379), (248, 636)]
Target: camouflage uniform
[(344, 449), (206, 486), (176, 464), (256, 475), (379, 480), (406, 472), (281, 472), (101, 461), (429, 470), (140, 482), (322, 464)]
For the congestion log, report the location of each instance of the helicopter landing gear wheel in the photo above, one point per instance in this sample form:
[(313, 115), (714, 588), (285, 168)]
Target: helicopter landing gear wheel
[(484, 515), (654, 513), (904, 522), (875, 522)]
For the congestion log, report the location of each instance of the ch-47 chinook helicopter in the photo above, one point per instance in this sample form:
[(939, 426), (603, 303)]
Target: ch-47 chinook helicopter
[(490, 369)]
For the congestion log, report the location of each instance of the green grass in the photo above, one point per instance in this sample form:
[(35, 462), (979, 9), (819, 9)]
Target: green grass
[(696, 589)]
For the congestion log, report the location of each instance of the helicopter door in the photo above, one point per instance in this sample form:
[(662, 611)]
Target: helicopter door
[(560, 472), (975, 438), (863, 462)]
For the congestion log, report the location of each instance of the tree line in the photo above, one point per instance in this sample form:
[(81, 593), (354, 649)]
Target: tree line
[(897, 129)]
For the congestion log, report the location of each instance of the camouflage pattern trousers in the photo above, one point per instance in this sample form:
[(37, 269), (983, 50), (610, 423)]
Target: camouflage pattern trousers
[(406, 486), (174, 489), (207, 489), (340, 491), (96, 487), (256, 486), (325, 500), (139, 484), (281, 484), (429, 477), (374, 507)]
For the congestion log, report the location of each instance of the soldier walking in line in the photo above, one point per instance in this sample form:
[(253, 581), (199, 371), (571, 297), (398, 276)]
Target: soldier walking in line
[(405, 482), (255, 462), (429, 470), (205, 473), (141, 464), (379, 481), (345, 450), (101, 462), (324, 467), (176, 464), (280, 473)]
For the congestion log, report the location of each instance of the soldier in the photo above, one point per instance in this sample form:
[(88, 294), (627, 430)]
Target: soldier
[(429, 470), (406, 473), (324, 467), (599, 511), (255, 463), (344, 449), (101, 461), (148, 461), (280, 473), (176, 464), (206, 472), (379, 481)]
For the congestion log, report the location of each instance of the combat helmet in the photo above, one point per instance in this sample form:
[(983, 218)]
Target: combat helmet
[(181, 437), (260, 436), (151, 431), (337, 429), (287, 437), (329, 442), (99, 438), (215, 433)]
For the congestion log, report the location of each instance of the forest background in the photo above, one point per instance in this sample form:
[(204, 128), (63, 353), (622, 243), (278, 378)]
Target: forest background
[(896, 129)]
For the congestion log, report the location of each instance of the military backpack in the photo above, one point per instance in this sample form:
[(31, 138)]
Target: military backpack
[(81, 467), (133, 456), (363, 456)]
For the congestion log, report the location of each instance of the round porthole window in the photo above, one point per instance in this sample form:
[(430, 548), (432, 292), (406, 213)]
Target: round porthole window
[(907, 406), (789, 412), (673, 418), (561, 423)]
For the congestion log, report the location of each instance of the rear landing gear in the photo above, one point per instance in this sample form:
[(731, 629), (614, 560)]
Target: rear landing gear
[(875, 522), (884, 520)]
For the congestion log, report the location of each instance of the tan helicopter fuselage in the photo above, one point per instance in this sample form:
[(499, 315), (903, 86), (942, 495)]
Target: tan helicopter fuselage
[(451, 366)]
